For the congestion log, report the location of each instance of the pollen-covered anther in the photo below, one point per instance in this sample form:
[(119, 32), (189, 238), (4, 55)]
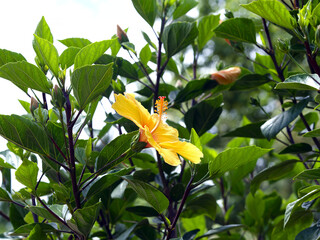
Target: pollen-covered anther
[(161, 106)]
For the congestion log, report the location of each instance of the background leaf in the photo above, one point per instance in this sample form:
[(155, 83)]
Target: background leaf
[(27, 174), (91, 53), (204, 115), (149, 193), (178, 36), (273, 126), (48, 53), (237, 29), (89, 82), (272, 10), (233, 158), (25, 75), (194, 89), (147, 10), (300, 82), (24, 133), (272, 173), (183, 7), (7, 56), (205, 26)]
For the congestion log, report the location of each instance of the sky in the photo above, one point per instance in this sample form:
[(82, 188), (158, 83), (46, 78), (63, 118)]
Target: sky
[(95, 20)]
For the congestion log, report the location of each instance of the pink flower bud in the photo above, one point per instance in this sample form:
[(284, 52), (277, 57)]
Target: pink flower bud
[(34, 104), (226, 76), (122, 36)]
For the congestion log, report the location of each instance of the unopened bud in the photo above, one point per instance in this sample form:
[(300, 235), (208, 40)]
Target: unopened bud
[(33, 105), (62, 75), (122, 36), (58, 98), (226, 76)]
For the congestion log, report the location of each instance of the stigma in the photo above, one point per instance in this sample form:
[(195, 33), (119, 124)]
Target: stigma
[(161, 106)]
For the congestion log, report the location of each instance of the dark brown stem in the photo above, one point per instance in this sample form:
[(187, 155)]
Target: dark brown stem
[(2, 214), (311, 59), (59, 163), (52, 213), (156, 88), (271, 50), (45, 105), (105, 224), (70, 124), (183, 200)]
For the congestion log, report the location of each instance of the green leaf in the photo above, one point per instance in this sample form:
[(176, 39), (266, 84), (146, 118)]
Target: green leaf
[(222, 229), (309, 174), (195, 140), (27, 174), (297, 148), (249, 81), (149, 193), (194, 89), (43, 213), (204, 115), (25, 230), (148, 40), (145, 54), (89, 82), (312, 233), (43, 30), (25, 75), (300, 82), (91, 53), (273, 126), (7, 56), (255, 205), (106, 181), (299, 221), (178, 36), (85, 217), (202, 205), (36, 233), (48, 53), (313, 133), (273, 173), (25, 105), (4, 164), (147, 10), (293, 206), (183, 7), (114, 149), (67, 57), (237, 29), (272, 10), (4, 195), (24, 133), (233, 158), (251, 130), (143, 211), (75, 42), (205, 26)]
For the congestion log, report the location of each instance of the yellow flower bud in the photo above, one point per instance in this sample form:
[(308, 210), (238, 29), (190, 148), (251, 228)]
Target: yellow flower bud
[(226, 76)]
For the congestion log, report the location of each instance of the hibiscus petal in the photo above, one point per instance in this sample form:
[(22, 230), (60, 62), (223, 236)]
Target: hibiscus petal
[(168, 155), (185, 149), (129, 108)]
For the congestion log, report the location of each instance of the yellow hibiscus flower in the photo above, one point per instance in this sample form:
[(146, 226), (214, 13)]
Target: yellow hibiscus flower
[(154, 131)]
